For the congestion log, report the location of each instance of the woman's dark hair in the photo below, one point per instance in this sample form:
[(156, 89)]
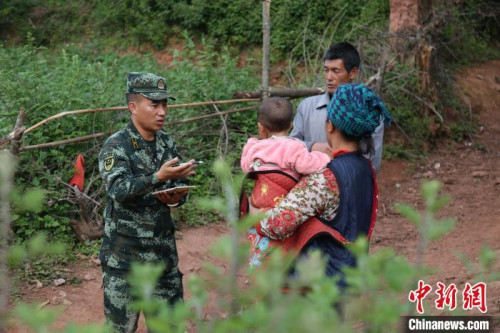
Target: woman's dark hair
[(345, 51), (275, 114), (365, 143)]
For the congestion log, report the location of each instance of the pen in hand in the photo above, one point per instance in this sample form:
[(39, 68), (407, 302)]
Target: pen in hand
[(194, 163)]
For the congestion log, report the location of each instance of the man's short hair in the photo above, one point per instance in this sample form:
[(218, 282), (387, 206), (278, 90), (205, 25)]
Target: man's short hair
[(275, 114), (345, 51), (132, 97)]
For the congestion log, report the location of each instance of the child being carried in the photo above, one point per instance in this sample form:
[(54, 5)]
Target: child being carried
[(277, 161)]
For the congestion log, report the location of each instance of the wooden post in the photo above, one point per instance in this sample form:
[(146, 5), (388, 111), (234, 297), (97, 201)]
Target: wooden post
[(266, 41), (381, 71), (17, 134), (19, 129)]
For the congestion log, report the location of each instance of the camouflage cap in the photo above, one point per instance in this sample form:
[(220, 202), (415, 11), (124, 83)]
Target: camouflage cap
[(148, 85)]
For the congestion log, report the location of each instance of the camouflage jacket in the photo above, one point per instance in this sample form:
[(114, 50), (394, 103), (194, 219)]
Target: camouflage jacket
[(133, 216)]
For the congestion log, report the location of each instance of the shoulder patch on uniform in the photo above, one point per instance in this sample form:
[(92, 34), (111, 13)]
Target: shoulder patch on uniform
[(109, 161), (135, 144)]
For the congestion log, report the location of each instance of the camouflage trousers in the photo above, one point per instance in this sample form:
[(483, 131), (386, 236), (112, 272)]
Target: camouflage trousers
[(118, 297)]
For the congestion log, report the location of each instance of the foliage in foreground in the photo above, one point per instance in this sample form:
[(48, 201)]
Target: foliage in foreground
[(74, 79), (374, 302)]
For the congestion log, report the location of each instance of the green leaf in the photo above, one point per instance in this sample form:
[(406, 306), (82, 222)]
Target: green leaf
[(398, 273), (439, 203), (487, 257), (359, 247), (310, 269), (17, 253), (439, 228), (410, 213), (33, 200), (37, 319), (222, 248), (249, 221), (143, 278), (216, 204), (430, 190)]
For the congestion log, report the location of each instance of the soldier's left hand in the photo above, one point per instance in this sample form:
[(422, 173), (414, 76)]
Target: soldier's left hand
[(171, 169)]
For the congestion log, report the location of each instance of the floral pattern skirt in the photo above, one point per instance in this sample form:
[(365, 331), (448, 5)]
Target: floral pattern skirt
[(260, 248)]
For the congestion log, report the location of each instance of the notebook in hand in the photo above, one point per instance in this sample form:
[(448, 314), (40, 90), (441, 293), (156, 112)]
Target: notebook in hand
[(175, 189)]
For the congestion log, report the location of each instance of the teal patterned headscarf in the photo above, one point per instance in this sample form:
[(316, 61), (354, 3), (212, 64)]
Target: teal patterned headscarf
[(356, 110)]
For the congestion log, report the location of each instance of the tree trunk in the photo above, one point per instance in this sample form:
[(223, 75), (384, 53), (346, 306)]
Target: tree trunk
[(405, 19), (408, 19), (266, 41)]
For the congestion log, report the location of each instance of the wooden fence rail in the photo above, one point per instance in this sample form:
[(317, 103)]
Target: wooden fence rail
[(122, 108), (241, 97), (5, 140), (101, 134)]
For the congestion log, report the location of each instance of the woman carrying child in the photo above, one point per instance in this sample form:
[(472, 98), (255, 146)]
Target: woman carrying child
[(343, 196)]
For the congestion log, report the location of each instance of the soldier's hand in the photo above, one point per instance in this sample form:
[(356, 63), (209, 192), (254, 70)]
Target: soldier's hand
[(172, 169), (323, 147), (171, 198)]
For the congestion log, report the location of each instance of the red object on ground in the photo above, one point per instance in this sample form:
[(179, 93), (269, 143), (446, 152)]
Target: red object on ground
[(79, 175)]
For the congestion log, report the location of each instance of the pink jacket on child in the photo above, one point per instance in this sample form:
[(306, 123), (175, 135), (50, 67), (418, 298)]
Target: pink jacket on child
[(282, 153)]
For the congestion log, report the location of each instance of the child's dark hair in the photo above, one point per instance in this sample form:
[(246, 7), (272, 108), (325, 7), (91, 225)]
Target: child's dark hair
[(275, 114), (345, 51)]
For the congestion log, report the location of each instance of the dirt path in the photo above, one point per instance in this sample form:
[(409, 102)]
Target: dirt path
[(471, 176)]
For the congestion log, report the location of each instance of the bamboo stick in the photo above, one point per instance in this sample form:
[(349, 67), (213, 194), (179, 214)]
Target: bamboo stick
[(187, 120), (101, 134), (66, 113), (121, 108), (65, 142)]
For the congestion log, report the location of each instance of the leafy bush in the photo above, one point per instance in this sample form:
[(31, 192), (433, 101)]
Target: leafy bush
[(318, 21), (238, 22), (74, 79), (374, 301), (470, 25), (47, 21), (131, 22)]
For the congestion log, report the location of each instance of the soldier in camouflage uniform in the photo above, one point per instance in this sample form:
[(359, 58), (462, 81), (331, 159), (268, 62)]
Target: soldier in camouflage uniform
[(134, 162)]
